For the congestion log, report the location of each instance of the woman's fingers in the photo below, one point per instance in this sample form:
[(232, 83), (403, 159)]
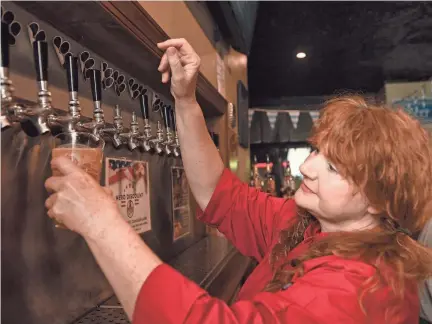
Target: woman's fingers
[(54, 184), (179, 43), (108, 191), (49, 203), (163, 65)]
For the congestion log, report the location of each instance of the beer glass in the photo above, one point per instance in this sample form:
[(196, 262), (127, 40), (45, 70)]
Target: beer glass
[(84, 149)]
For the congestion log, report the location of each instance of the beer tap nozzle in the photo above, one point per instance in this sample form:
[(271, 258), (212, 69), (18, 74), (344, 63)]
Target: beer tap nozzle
[(157, 142), (133, 134), (114, 132)]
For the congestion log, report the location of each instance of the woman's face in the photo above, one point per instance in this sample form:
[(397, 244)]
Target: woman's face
[(331, 198)]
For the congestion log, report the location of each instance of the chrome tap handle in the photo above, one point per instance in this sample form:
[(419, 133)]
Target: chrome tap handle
[(176, 142), (168, 127), (6, 84), (96, 84), (40, 55), (146, 144), (144, 104), (72, 120), (166, 116), (4, 46), (44, 109), (71, 63), (96, 89)]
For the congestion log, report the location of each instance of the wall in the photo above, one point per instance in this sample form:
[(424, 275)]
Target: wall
[(398, 90), (395, 91), (177, 21)]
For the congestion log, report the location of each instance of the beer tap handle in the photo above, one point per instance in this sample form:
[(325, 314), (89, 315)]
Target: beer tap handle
[(172, 119), (4, 45), (71, 63), (144, 103), (166, 116), (96, 84), (40, 54)]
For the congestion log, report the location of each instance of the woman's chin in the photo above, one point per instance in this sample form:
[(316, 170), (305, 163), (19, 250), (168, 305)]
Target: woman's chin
[(299, 199)]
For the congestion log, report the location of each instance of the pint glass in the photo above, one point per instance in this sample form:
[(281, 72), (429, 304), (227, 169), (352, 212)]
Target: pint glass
[(84, 149)]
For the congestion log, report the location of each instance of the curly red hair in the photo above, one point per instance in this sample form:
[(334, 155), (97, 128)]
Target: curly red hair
[(387, 156)]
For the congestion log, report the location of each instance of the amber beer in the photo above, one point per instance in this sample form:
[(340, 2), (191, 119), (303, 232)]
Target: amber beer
[(84, 149), (87, 158)]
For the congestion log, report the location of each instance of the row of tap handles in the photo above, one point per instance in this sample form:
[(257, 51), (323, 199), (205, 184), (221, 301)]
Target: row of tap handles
[(43, 117)]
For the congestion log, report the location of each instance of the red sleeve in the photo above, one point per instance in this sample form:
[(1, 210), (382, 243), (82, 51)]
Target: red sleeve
[(167, 297), (249, 218), (324, 296)]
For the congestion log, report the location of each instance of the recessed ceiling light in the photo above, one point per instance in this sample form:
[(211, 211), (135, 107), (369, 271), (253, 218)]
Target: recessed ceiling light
[(301, 55)]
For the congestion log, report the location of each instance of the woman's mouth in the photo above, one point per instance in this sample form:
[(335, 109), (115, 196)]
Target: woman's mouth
[(305, 188)]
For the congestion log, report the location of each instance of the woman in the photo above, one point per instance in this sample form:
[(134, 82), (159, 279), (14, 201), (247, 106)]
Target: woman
[(340, 252), (426, 290)]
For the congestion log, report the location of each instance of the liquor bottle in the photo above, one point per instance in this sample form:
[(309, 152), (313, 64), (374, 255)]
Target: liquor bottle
[(270, 183), (257, 181), (289, 185)]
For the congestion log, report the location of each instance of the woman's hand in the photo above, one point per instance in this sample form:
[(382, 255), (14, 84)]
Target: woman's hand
[(181, 60), (78, 201)]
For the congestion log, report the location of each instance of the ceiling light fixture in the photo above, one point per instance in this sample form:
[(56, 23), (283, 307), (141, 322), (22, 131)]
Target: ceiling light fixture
[(301, 55)]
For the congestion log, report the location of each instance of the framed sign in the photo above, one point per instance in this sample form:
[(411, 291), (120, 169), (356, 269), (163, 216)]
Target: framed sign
[(129, 182), (180, 203)]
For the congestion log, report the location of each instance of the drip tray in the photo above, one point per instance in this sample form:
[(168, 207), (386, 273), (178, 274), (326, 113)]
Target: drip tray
[(105, 316)]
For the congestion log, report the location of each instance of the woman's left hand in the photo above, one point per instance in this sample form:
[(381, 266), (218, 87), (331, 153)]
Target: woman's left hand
[(78, 201)]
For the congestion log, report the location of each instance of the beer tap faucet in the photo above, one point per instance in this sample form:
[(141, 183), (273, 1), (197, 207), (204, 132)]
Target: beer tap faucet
[(97, 125), (43, 108), (72, 120), (132, 136), (168, 126), (145, 139), (114, 132), (157, 142), (176, 142), (7, 99)]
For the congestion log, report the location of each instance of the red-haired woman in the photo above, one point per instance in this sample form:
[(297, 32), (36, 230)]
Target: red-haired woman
[(340, 252)]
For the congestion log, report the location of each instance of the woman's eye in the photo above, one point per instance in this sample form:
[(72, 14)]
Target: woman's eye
[(332, 168)]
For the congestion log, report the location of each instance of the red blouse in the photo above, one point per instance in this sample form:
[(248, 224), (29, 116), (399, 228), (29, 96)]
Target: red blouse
[(252, 220)]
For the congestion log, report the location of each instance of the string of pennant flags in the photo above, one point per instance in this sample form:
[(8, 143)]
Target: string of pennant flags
[(272, 116)]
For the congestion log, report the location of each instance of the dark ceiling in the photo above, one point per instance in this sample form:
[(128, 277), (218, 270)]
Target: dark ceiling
[(349, 46)]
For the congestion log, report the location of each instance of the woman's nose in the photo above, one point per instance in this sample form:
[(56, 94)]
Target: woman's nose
[(309, 168)]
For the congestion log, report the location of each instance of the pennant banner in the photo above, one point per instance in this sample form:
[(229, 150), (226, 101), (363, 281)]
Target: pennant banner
[(314, 115), (271, 115), (250, 115), (294, 115)]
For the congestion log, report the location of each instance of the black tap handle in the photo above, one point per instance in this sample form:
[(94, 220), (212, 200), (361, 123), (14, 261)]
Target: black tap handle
[(144, 103), (172, 119), (4, 45), (40, 54), (166, 116), (71, 63), (96, 84)]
